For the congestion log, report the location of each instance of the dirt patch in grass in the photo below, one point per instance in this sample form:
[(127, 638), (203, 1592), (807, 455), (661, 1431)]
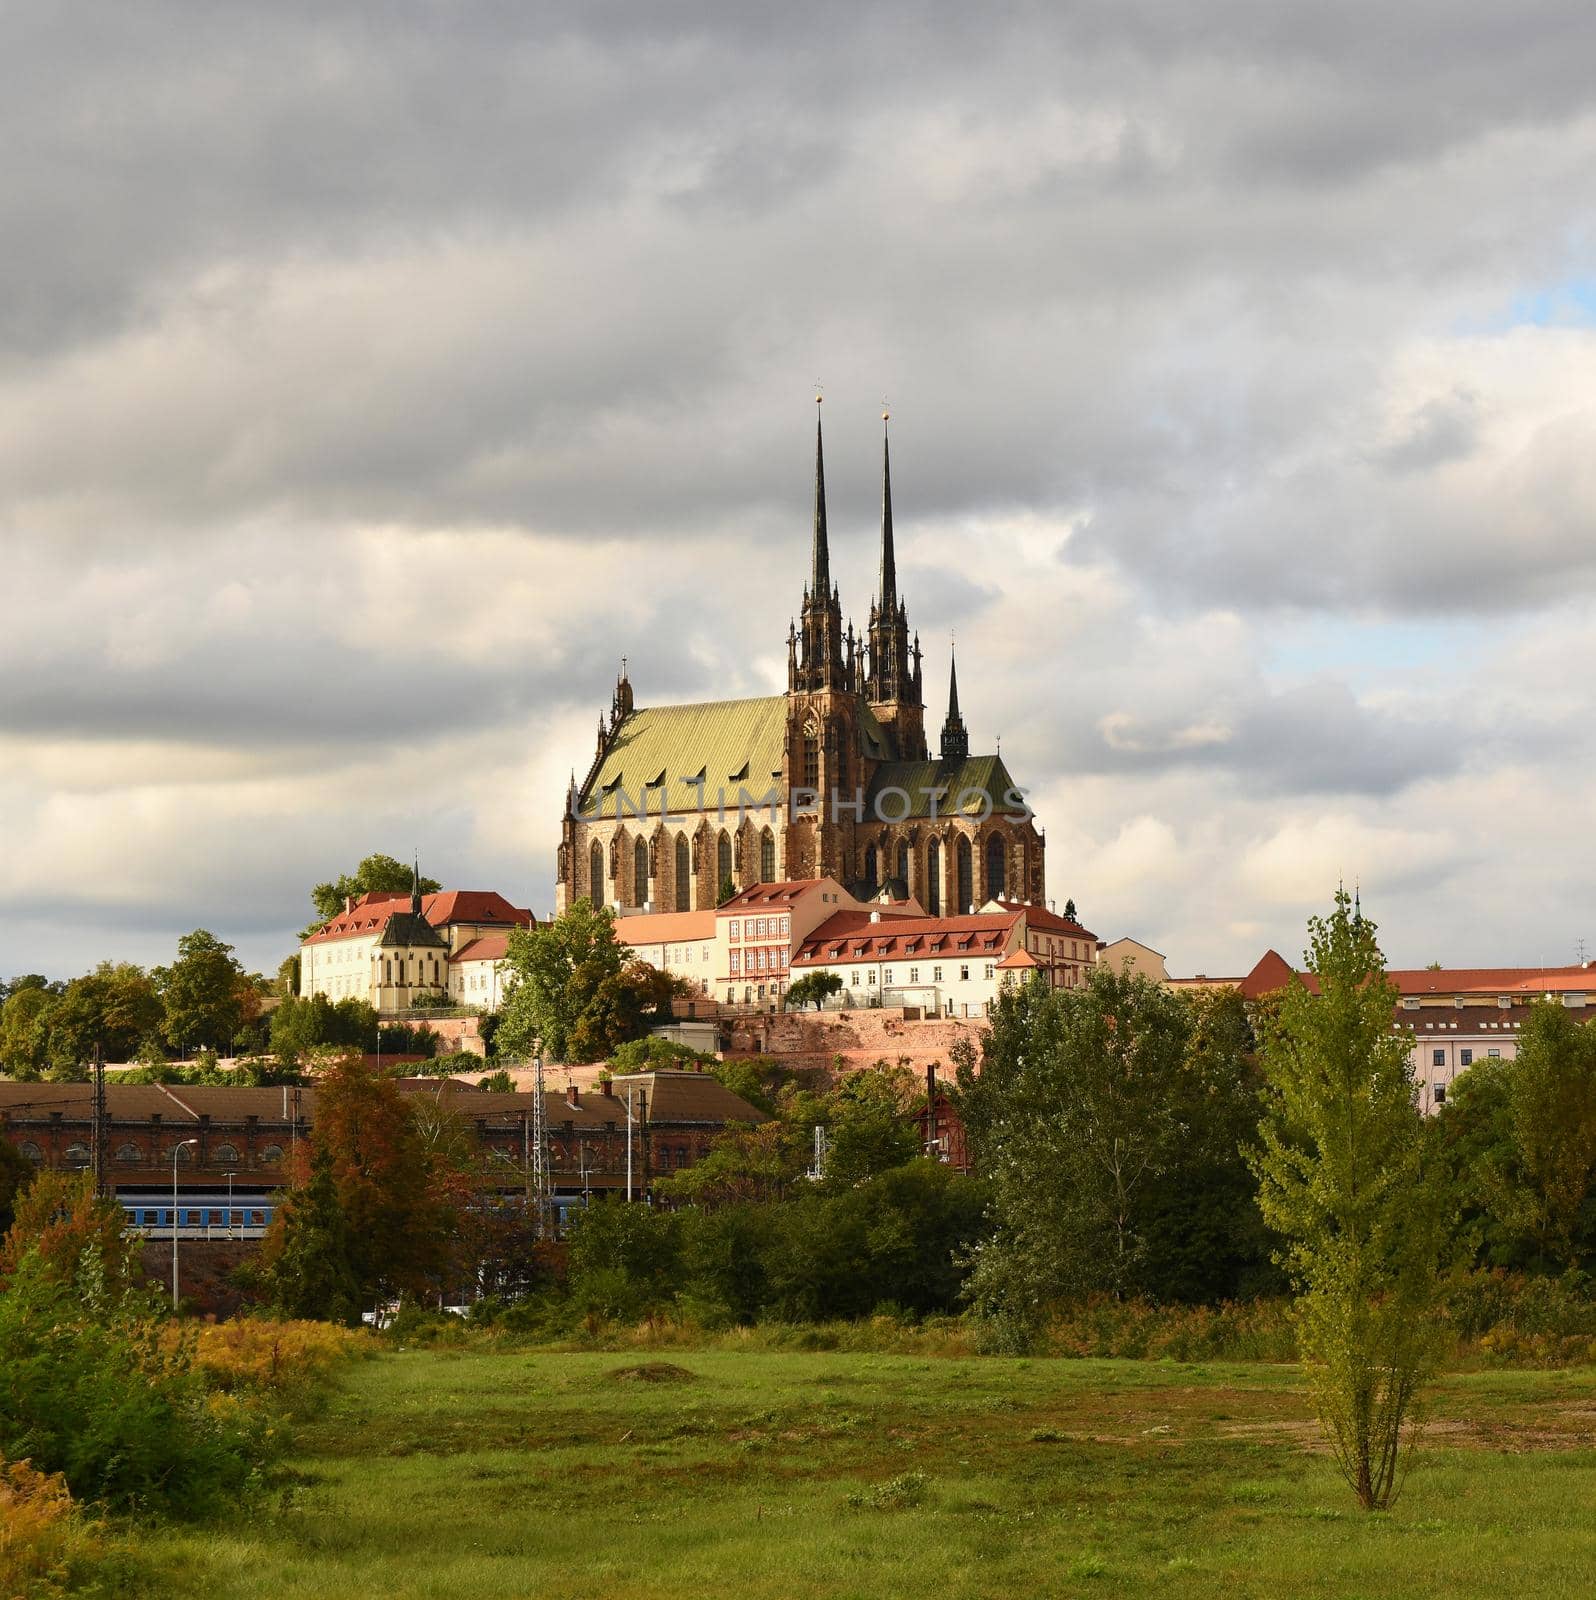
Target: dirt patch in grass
[(653, 1372)]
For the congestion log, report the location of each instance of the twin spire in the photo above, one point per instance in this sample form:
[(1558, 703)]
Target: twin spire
[(886, 669)]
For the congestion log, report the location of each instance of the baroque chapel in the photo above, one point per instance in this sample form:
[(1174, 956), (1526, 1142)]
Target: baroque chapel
[(831, 779)]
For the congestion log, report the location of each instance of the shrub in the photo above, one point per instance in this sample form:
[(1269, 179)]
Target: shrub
[(104, 1403), (44, 1538), (263, 1356)]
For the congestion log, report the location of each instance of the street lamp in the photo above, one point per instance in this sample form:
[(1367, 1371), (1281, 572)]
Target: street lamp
[(177, 1150), (230, 1177)]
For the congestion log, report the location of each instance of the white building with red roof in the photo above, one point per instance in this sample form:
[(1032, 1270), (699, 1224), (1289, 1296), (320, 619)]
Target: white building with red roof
[(1455, 1016), (952, 966), (391, 949)]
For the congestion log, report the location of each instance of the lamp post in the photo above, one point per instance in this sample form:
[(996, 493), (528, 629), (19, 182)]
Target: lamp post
[(177, 1151), (230, 1177)]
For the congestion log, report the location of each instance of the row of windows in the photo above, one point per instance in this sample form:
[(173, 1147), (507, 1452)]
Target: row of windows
[(758, 928), (128, 1155), (1465, 1058), (761, 960), (891, 977), (683, 874)]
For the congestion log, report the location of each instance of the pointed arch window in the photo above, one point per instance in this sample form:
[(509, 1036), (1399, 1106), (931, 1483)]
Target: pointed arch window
[(596, 874), (933, 878), (767, 857), (684, 874), (723, 860), (966, 885), (870, 870), (639, 872), (996, 867), (903, 864)]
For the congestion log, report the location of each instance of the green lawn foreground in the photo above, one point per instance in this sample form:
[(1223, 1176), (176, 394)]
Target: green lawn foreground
[(445, 1474)]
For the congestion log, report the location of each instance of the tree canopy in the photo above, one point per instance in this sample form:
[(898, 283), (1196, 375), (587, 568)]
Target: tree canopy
[(205, 993), (578, 990), (377, 874)]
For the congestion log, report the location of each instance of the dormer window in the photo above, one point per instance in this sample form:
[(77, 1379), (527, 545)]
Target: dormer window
[(1410, 1002)]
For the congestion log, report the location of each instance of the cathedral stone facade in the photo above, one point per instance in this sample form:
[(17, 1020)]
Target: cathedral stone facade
[(831, 779)]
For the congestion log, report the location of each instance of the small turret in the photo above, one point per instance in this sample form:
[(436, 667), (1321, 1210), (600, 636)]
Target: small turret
[(955, 738)]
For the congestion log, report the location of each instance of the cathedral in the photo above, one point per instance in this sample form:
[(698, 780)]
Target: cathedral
[(831, 779)]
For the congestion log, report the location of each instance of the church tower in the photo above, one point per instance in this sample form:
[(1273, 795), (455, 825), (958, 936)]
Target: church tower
[(892, 684), (822, 712), (955, 737)]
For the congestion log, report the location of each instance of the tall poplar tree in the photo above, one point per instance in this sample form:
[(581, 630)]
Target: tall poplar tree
[(1343, 1179)]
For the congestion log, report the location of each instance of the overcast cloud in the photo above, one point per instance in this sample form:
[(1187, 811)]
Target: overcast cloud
[(372, 377)]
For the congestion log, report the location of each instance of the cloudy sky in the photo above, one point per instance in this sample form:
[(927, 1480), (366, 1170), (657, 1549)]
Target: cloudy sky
[(372, 377)]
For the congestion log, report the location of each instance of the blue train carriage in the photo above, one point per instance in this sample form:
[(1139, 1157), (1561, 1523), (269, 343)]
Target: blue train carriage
[(200, 1216)]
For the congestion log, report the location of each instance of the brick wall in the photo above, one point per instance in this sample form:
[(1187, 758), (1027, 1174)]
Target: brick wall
[(861, 1038)]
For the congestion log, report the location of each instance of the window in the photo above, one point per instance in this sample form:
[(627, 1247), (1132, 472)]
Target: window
[(1440, 1094), (640, 872), (767, 856), (183, 1152), (991, 971), (723, 859), (964, 974), (914, 974), (32, 1152), (595, 874), (933, 879), (129, 1154), (995, 867), (684, 875), (1465, 1058), (77, 1155), (225, 1155), (271, 1156), (1438, 1058), (736, 962), (1410, 1002), (732, 929), (786, 927), (871, 882), (1495, 1055), (811, 761), (964, 902), (936, 974)]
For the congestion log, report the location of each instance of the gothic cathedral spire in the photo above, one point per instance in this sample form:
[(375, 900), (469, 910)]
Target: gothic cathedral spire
[(955, 738), (820, 662), (892, 685)]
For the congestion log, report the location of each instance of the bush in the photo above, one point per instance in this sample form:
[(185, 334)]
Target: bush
[(263, 1356), (44, 1539), (110, 1406)]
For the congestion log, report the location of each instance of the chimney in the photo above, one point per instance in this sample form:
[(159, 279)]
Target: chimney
[(607, 1086), (875, 916), (349, 902), (573, 1096)]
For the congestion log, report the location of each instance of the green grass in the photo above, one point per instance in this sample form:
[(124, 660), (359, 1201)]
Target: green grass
[(787, 1476)]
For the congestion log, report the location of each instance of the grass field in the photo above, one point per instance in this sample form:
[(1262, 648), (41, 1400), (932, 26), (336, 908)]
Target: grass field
[(449, 1474)]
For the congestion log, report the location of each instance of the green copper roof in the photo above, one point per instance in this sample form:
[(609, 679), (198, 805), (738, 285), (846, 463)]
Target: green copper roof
[(660, 753), (957, 787)]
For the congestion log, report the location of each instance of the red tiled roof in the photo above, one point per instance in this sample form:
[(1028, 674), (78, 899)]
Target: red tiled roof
[(1273, 972), (661, 927), (853, 936), (485, 947), (1018, 958), (1045, 921), (370, 912), (771, 894)]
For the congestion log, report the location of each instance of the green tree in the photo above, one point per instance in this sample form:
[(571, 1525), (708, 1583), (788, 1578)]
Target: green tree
[(203, 991), (812, 987), (16, 1173), (306, 1257), (1541, 1186), (869, 1131), (25, 1032), (576, 991), (377, 874), (1070, 1120), (727, 890), (1344, 1180), (114, 1007)]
